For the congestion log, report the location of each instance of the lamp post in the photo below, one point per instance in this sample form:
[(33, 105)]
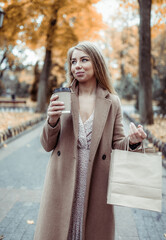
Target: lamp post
[(2, 13)]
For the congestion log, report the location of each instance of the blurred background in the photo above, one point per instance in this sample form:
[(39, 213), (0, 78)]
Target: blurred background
[(35, 36)]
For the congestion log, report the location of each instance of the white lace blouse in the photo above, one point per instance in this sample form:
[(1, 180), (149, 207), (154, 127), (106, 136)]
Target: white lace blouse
[(84, 141)]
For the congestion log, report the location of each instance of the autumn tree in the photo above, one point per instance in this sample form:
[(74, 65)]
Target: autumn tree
[(158, 67), (53, 24), (70, 26), (10, 35), (124, 54), (145, 97), (145, 78), (34, 25), (9, 61), (120, 46), (34, 87)]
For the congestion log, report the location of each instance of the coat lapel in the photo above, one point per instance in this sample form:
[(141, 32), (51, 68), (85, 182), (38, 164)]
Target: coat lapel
[(102, 108), (75, 111)]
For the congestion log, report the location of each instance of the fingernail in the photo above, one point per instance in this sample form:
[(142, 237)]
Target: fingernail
[(52, 97)]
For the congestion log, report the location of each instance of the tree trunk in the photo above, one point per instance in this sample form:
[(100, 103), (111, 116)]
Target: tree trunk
[(145, 80), (43, 82)]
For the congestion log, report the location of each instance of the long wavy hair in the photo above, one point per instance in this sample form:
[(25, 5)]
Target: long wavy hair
[(101, 71)]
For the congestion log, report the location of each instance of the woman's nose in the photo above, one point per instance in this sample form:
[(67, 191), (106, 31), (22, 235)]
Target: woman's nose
[(78, 65)]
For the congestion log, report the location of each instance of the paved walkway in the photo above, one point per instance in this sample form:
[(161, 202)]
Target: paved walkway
[(23, 165)]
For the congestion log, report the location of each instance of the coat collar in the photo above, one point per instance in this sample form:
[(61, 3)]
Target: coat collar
[(102, 107)]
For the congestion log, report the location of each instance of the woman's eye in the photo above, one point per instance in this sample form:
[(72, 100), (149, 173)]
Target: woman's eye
[(84, 60), (73, 62)]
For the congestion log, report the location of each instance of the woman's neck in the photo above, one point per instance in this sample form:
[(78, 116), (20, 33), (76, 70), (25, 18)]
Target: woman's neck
[(88, 88)]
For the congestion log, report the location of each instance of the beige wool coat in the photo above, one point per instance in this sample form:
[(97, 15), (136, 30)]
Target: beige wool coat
[(57, 199)]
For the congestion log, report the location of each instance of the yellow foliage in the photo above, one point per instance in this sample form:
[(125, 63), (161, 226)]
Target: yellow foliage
[(158, 1), (129, 4), (26, 76), (54, 24), (157, 29), (30, 21), (159, 54), (123, 52)]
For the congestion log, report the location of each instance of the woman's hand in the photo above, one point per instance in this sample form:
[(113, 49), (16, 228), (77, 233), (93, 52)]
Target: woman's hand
[(136, 134), (54, 110)]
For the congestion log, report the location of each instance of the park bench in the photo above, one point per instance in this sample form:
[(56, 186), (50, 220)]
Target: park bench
[(12, 101), (12, 104)]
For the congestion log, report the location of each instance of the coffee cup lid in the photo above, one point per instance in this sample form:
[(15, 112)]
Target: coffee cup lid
[(61, 89)]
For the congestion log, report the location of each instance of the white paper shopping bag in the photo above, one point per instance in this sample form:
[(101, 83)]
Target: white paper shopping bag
[(135, 180)]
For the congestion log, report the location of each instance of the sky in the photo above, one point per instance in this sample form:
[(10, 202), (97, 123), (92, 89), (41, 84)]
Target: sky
[(107, 8)]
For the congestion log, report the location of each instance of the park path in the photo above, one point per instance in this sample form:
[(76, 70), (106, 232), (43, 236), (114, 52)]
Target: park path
[(22, 169), (23, 165)]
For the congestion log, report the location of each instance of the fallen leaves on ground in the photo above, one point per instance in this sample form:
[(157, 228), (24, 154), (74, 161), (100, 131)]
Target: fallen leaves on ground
[(30, 222), (158, 129), (13, 119)]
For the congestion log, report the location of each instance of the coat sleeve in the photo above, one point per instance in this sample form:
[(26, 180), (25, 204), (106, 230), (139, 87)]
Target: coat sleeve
[(119, 138), (50, 135)]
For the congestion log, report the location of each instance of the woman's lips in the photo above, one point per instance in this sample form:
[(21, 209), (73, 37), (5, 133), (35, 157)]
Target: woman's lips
[(79, 73)]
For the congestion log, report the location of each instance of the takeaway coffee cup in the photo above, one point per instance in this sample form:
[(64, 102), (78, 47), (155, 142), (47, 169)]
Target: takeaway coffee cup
[(64, 96)]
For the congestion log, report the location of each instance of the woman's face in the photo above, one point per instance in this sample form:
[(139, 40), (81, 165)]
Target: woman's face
[(81, 66)]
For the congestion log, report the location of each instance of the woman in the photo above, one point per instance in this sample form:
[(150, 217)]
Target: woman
[(74, 203)]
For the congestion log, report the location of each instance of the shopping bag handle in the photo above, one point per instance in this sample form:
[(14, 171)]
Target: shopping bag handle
[(142, 145)]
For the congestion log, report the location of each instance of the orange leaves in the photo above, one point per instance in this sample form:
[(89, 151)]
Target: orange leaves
[(53, 24), (159, 51), (124, 54), (158, 17), (77, 22), (156, 30), (26, 76), (32, 19), (9, 119), (158, 1), (157, 128), (129, 4)]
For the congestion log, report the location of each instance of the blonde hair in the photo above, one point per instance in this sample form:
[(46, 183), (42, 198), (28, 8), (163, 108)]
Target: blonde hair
[(100, 68)]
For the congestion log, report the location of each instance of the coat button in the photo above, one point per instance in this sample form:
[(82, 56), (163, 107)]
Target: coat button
[(58, 153), (104, 157)]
